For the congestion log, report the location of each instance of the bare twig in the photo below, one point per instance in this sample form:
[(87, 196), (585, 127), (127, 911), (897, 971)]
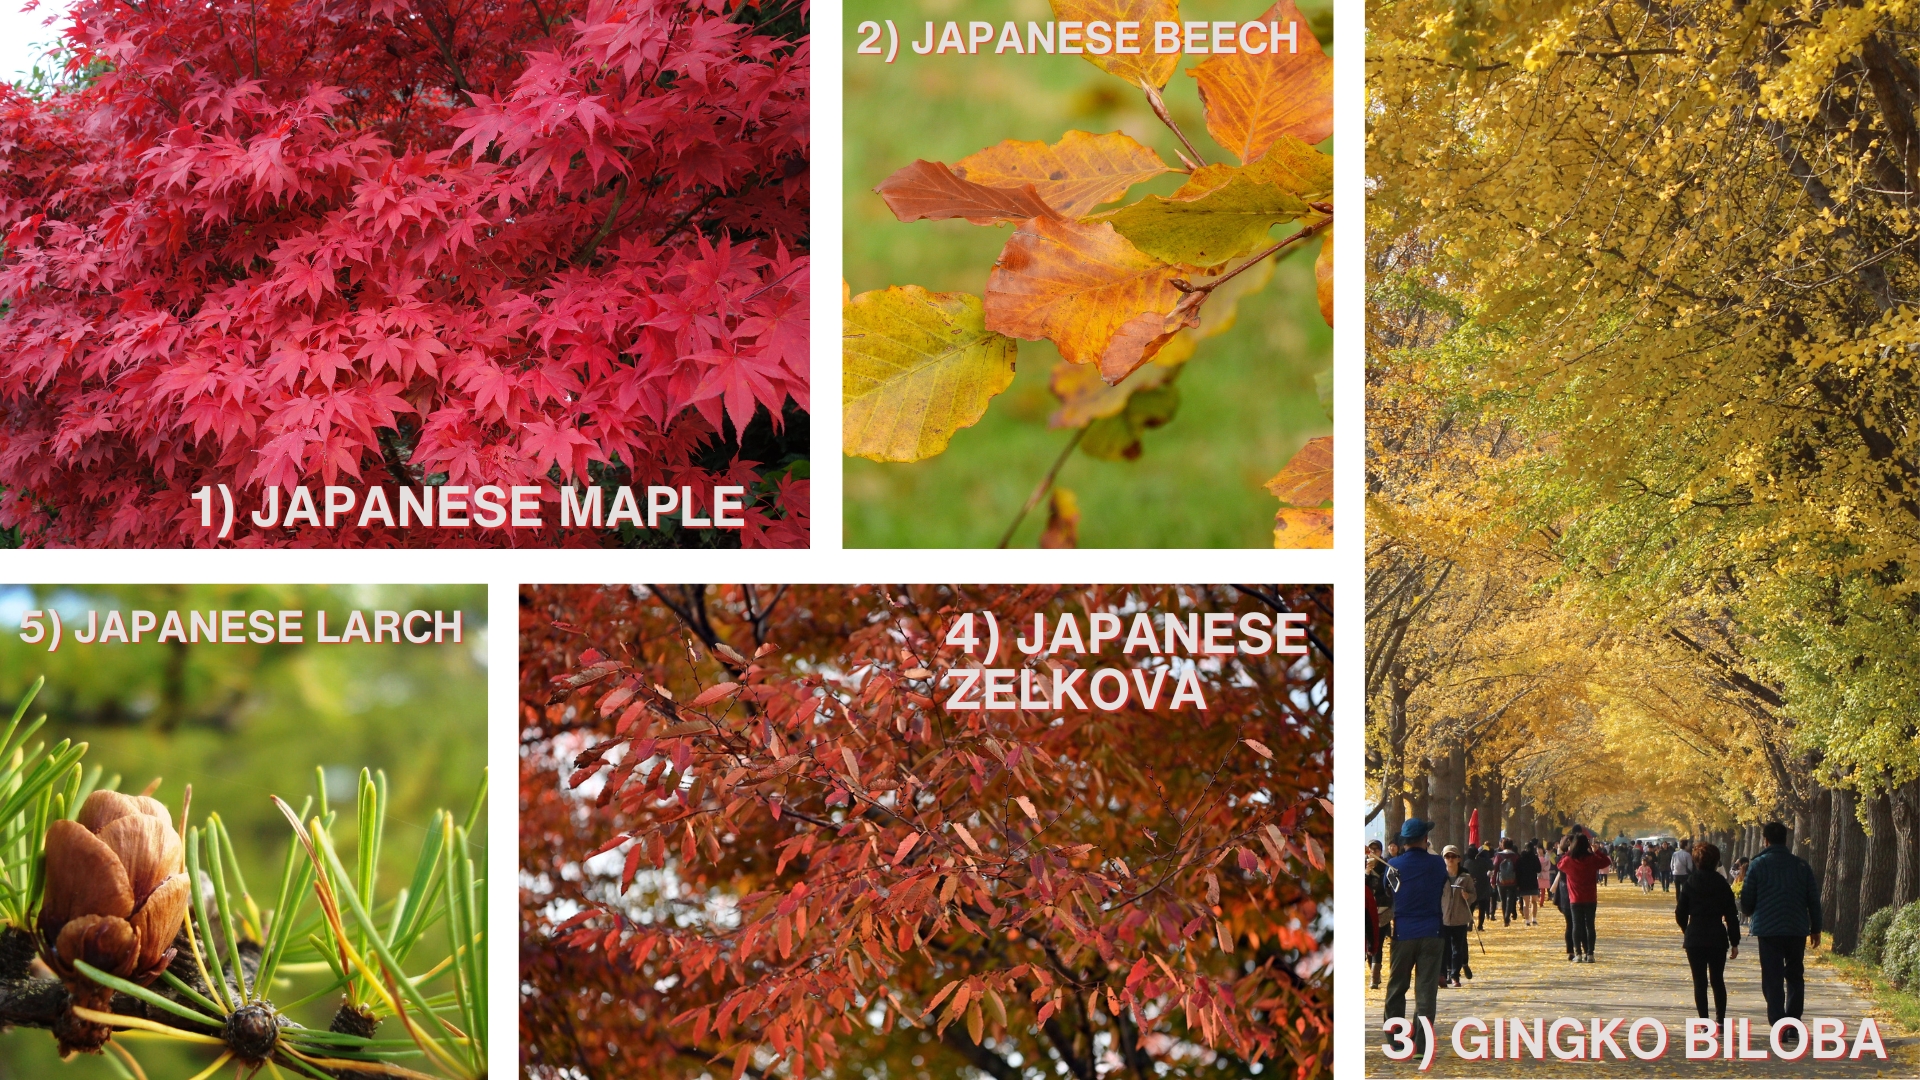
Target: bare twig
[(1040, 491)]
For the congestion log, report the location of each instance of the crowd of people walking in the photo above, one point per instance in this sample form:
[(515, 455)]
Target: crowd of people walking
[(1421, 908)]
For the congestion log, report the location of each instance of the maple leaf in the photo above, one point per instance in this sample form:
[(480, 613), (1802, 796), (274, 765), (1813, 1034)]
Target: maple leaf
[(1072, 176), (1098, 298), (916, 366), (929, 189), (1253, 99), (1307, 478), (548, 443)]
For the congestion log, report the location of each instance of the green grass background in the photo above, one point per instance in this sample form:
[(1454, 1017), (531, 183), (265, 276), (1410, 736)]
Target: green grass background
[(257, 720), (1250, 398)]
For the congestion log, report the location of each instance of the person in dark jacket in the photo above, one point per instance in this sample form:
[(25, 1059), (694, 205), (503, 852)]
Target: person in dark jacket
[(1480, 864), (1527, 866), (1781, 898), (1418, 878), (1380, 901), (1710, 923)]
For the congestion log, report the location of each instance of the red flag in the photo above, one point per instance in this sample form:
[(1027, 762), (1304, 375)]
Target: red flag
[(1473, 828)]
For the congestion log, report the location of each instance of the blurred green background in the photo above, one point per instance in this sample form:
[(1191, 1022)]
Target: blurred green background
[(242, 722), (1250, 398)]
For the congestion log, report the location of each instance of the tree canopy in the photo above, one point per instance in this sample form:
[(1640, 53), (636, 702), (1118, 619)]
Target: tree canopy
[(757, 840), (1641, 395), (298, 242)]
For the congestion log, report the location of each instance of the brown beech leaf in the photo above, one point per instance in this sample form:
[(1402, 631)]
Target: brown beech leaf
[(1253, 99), (1323, 276), (930, 190), (1302, 527), (1073, 176), (1145, 66), (1063, 521), (1098, 298), (1307, 480)]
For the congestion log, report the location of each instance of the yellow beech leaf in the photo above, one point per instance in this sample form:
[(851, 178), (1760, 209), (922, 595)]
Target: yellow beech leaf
[(1086, 397), (1085, 288), (1221, 213), (1145, 66), (916, 366), (1306, 480), (1253, 99), (1298, 527), (1063, 521), (1073, 176)]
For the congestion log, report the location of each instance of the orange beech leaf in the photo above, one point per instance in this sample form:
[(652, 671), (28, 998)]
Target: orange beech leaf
[(1253, 99), (1072, 176), (1298, 527), (1146, 66), (1307, 479), (1259, 747), (905, 847), (967, 837), (1098, 298), (931, 190), (1026, 807), (1323, 276)]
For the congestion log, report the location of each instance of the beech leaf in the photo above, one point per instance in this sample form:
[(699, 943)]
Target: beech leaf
[(905, 847), (1146, 66), (916, 366), (1026, 807), (1302, 527), (967, 838), (1253, 99), (931, 190), (1063, 520), (1259, 748), (1072, 176), (1084, 287), (1323, 276), (1086, 397), (1307, 479), (1221, 213)]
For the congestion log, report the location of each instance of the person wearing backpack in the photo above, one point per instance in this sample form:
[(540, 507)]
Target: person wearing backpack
[(1506, 874)]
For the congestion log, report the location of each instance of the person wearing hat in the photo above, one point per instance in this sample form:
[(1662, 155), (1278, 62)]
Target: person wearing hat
[(1457, 905), (1419, 879)]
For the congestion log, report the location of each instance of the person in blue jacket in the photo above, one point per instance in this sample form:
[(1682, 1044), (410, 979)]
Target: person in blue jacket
[(1418, 877), (1781, 898)]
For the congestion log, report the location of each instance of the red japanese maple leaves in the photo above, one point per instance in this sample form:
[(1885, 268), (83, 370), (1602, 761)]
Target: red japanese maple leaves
[(530, 244)]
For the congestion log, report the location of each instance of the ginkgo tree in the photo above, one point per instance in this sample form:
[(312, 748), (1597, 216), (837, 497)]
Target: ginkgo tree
[(1125, 294), (289, 242), (755, 838)]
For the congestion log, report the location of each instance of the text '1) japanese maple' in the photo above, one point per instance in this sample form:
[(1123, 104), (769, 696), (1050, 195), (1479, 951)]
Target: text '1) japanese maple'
[(759, 832), (404, 242)]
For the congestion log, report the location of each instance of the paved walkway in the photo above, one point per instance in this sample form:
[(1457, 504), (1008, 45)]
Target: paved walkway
[(1640, 970)]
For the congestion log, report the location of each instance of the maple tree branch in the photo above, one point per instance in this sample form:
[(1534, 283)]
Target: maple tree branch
[(1046, 482), (586, 251)]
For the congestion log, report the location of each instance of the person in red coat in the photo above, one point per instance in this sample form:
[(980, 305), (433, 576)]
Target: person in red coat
[(1581, 867)]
